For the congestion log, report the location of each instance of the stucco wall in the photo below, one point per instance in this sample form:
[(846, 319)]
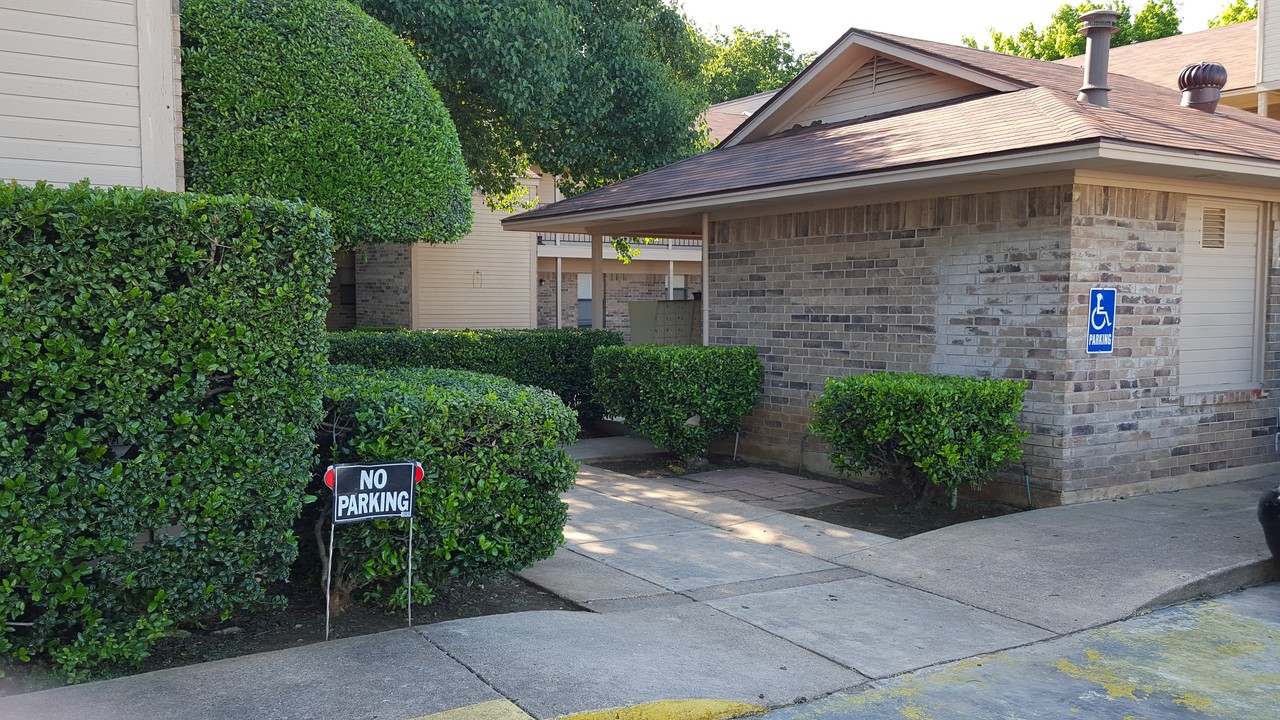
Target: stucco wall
[(991, 285)]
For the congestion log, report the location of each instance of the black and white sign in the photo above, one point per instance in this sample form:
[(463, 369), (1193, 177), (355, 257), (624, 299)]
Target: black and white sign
[(367, 491)]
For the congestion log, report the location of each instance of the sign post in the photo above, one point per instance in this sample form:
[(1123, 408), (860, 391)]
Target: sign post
[(1102, 320), (369, 491)]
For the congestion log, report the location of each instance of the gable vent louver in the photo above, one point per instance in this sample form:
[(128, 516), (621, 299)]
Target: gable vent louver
[(881, 72), (1213, 228)]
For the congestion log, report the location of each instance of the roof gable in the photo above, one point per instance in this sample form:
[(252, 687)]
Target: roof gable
[(884, 84), (866, 74)]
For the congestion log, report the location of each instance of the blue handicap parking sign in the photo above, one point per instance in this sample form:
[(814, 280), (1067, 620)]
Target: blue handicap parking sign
[(1102, 320)]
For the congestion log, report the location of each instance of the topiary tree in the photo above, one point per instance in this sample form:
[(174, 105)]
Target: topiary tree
[(313, 99)]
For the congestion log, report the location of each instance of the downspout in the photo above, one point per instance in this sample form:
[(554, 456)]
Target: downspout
[(706, 279)]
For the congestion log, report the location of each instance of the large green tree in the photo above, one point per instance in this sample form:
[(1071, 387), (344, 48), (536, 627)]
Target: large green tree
[(1234, 12), (591, 91), (749, 62), (1061, 36), (314, 99)]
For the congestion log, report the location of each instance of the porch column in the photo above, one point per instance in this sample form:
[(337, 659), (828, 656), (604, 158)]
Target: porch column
[(1262, 102), (597, 281), (706, 279), (671, 277), (559, 287)]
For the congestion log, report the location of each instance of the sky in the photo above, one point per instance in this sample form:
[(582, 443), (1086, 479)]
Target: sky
[(815, 24)]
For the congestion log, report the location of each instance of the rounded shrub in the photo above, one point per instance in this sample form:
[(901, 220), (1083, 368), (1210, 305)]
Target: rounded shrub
[(313, 99), (921, 430), (490, 501), (679, 396)]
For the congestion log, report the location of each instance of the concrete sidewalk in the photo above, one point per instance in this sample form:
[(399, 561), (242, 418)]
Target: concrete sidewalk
[(704, 588)]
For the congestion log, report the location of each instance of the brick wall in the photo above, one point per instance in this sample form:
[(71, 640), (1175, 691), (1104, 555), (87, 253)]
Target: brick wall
[(383, 296), (990, 285), (1129, 425), (620, 289)]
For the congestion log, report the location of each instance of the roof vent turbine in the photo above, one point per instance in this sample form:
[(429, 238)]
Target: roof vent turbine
[(1097, 26), (1201, 85)]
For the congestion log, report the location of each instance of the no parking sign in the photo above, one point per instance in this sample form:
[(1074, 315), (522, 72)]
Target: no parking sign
[(368, 491)]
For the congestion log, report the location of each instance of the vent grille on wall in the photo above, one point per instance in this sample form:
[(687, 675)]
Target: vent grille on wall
[(1213, 228)]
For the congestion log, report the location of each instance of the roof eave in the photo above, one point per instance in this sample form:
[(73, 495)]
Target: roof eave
[(1095, 153)]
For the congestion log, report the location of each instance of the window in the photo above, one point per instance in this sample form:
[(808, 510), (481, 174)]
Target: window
[(584, 300), (1218, 342), (679, 291)]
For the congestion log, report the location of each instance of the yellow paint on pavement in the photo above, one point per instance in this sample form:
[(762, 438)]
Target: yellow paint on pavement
[(492, 710), (674, 710)]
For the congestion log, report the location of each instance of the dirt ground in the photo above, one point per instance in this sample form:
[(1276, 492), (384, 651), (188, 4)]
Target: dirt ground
[(302, 623), (891, 513)]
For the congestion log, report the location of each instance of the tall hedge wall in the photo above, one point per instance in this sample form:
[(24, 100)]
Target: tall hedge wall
[(159, 364), (558, 360)]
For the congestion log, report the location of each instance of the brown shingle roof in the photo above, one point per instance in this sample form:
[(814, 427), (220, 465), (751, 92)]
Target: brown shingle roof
[(723, 124), (1160, 61), (1044, 115)]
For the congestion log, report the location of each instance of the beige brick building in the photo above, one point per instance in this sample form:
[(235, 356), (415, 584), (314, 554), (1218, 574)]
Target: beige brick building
[(912, 206)]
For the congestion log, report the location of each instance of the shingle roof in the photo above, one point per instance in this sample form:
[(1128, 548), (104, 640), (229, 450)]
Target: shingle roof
[(723, 124), (1046, 114), (1160, 61)]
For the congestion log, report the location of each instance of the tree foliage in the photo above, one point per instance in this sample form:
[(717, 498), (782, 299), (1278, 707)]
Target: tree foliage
[(313, 99), (749, 62), (590, 91), (1236, 11), (1061, 37)]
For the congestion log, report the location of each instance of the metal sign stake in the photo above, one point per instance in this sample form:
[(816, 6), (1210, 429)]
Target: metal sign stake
[(328, 581), (410, 601)]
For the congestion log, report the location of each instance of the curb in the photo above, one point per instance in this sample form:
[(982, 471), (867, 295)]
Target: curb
[(1237, 577)]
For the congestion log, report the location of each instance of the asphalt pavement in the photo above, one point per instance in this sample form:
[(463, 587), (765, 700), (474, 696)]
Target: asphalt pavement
[(703, 598)]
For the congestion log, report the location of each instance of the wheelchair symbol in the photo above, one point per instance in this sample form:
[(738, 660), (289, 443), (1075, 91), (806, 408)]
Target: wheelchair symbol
[(1099, 319)]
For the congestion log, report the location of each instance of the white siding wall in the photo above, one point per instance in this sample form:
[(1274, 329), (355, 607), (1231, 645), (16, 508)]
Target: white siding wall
[(485, 280), (883, 85), (1219, 328), (87, 89), (1269, 44)]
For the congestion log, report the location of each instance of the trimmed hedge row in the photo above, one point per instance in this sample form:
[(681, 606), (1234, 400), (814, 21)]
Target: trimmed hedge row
[(680, 396), (490, 501), (558, 360), (922, 430), (159, 364)]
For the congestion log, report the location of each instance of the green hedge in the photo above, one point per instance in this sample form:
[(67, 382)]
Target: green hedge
[(680, 396), (314, 99), (922, 430), (159, 365), (490, 501), (558, 360)]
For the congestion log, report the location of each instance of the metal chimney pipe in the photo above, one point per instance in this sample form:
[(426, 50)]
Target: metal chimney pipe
[(1201, 85), (1097, 26)]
